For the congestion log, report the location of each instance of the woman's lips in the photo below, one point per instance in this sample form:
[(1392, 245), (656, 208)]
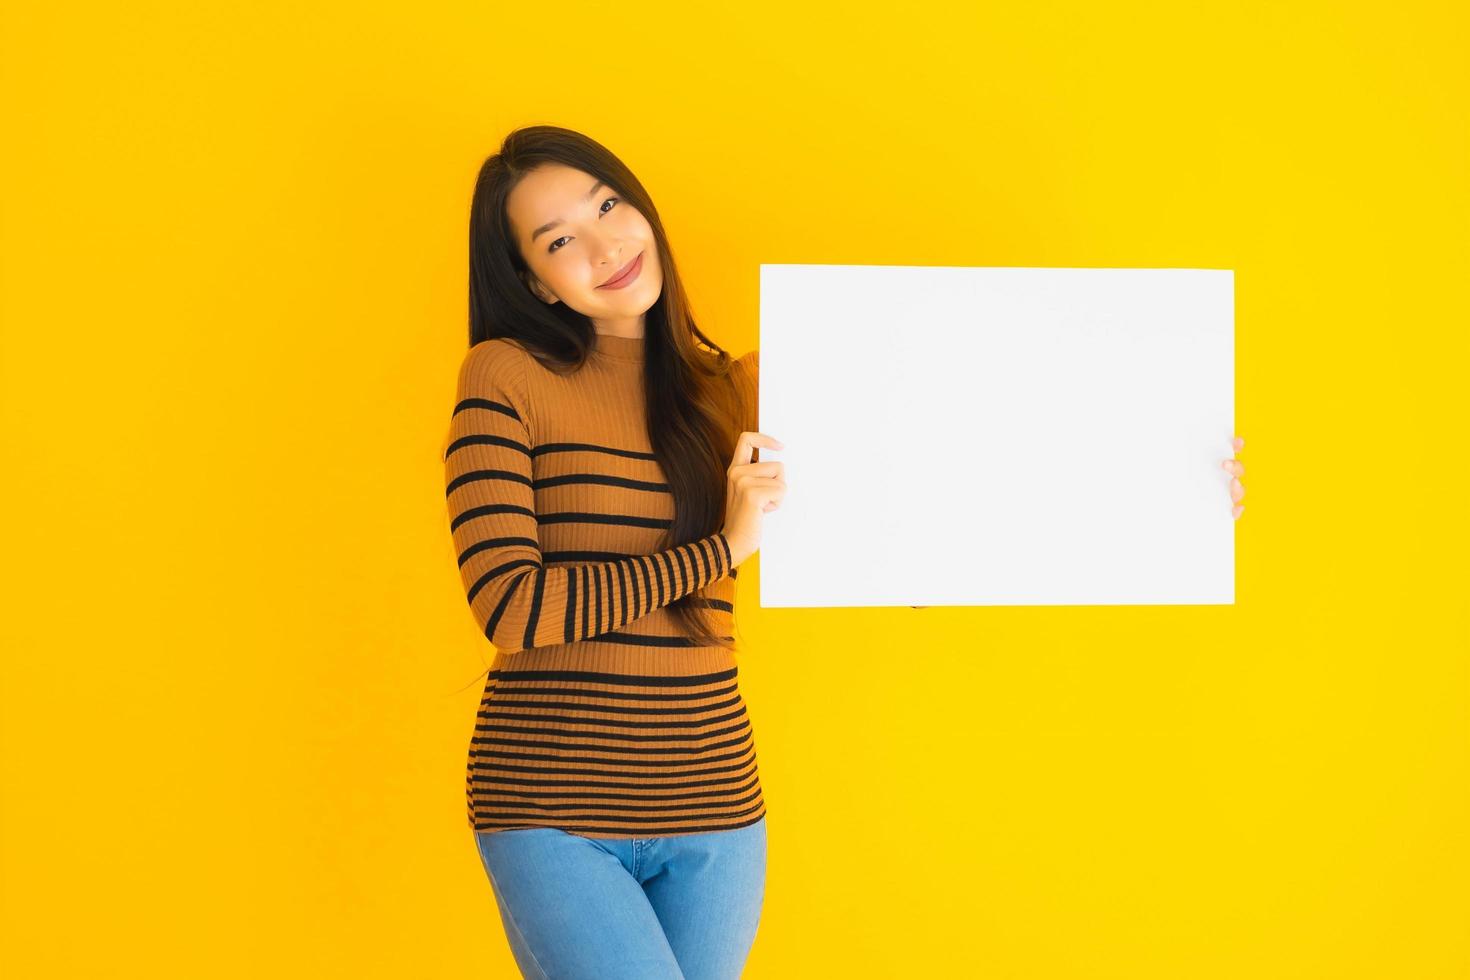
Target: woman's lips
[(626, 277)]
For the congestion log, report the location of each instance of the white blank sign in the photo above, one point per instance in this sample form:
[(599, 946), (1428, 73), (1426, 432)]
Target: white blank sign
[(998, 436)]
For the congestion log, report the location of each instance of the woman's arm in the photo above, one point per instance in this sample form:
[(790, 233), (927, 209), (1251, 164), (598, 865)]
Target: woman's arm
[(517, 601)]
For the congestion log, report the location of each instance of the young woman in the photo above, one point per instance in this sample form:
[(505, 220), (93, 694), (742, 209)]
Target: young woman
[(604, 488)]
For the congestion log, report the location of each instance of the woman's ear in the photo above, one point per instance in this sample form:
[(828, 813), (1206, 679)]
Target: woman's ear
[(537, 289)]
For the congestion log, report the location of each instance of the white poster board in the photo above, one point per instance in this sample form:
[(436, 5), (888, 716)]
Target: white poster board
[(998, 436)]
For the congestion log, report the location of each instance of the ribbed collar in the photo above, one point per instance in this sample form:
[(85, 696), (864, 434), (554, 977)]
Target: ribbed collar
[(616, 348)]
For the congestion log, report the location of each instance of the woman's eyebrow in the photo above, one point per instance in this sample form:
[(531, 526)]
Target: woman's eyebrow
[(552, 224)]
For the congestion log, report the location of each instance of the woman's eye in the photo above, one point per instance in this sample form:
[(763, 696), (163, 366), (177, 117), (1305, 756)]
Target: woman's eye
[(554, 246)]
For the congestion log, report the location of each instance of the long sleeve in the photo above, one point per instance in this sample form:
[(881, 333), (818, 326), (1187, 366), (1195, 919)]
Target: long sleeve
[(517, 601)]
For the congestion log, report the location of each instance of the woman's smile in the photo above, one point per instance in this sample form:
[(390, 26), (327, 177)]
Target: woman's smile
[(626, 275)]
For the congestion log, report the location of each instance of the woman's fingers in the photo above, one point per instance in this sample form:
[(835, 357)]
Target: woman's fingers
[(747, 444), (1237, 489)]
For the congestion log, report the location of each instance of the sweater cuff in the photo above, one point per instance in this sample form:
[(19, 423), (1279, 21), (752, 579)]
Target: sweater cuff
[(729, 557)]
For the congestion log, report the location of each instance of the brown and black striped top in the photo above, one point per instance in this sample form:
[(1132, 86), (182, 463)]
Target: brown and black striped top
[(599, 716)]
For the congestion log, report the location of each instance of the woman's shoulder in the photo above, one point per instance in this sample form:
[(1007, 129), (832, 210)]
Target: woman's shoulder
[(749, 364), (499, 352), (498, 362), (497, 349), (747, 376), (751, 361)]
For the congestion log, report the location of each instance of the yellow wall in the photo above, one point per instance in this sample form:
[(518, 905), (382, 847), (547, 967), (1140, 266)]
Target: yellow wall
[(237, 656)]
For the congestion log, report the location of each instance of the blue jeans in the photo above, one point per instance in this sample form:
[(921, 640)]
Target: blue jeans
[(644, 908)]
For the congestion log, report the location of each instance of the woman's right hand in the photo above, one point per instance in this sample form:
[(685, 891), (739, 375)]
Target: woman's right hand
[(751, 491)]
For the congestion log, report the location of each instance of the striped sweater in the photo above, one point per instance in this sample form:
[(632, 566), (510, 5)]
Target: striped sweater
[(599, 717)]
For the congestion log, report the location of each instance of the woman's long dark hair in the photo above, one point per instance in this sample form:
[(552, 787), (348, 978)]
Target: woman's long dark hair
[(694, 407)]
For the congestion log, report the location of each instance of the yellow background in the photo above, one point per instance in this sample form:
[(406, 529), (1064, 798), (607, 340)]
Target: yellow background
[(240, 673)]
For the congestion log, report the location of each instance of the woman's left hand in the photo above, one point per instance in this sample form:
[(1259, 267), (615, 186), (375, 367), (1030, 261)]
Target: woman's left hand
[(1237, 489)]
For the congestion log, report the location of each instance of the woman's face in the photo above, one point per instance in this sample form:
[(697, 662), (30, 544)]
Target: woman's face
[(576, 233)]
